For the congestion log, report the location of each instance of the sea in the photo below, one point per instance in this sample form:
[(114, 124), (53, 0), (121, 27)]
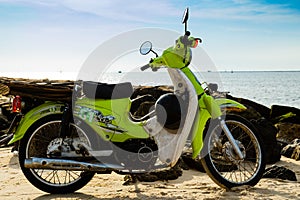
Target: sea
[(265, 87)]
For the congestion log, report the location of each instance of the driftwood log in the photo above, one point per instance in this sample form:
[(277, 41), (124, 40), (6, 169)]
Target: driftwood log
[(43, 89)]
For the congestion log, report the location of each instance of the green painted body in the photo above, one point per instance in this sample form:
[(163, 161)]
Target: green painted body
[(110, 118)]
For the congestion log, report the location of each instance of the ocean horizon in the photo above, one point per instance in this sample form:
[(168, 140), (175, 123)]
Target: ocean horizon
[(264, 87)]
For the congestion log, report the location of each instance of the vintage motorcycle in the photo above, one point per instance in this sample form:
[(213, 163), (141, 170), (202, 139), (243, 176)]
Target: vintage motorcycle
[(62, 145)]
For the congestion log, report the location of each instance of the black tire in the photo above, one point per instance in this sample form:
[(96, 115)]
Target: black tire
[(220, 161), (31, 146)]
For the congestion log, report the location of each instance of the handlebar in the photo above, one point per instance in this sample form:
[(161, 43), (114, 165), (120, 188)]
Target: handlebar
[(186, 40), (143, 68)]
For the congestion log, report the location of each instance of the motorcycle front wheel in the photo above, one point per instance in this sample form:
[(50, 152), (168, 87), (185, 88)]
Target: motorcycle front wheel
[(221, 162), (35, 143)]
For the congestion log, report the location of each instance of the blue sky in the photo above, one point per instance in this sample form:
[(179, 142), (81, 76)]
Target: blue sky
[(58, 35)]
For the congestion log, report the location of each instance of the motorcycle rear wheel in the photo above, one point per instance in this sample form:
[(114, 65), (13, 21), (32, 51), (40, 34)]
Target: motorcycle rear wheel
[(220, 160), (35, 143)]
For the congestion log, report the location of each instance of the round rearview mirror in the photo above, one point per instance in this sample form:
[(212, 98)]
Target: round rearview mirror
[(185, 16), (146, 47)]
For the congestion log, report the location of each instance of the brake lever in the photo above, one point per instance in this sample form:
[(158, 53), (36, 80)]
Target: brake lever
[(154, 69)]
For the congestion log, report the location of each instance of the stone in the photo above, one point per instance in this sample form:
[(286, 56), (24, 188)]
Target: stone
[(144, 108), (268, 134), (154, 91), (255, 110), (285, 114), (192, 163), (292, 150), (287, 132), (141, 105), (296, 153), (280, 172)]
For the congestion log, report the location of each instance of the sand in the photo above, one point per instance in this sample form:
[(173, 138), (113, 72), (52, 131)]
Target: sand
[(191, 185)]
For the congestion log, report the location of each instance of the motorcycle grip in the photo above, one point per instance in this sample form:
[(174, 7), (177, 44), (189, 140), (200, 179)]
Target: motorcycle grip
[(145, 67)]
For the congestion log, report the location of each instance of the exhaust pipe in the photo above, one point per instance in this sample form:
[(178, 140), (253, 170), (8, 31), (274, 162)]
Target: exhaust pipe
[(62, 164)]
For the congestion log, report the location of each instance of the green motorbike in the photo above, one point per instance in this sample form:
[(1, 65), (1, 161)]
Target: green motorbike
[(62, 145)]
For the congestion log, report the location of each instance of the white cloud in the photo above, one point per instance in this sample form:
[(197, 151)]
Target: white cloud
[(156, 11), (247, 11), (129, 10)]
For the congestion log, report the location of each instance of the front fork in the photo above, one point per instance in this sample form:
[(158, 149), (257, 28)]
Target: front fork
[(65, 123), (231, 139)]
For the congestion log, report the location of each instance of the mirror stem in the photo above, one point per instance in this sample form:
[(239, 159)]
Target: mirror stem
[(154, 53)]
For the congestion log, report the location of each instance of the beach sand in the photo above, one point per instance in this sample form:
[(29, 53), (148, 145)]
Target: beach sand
[(191, 185)]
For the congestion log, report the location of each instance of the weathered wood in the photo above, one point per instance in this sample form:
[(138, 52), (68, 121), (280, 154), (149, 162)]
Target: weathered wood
[(4, 89), (44, 89)]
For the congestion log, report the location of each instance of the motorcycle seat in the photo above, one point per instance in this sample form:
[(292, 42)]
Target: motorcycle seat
[(96, 90)]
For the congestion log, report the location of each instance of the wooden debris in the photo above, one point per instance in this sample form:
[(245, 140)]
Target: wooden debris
[(44, 89)]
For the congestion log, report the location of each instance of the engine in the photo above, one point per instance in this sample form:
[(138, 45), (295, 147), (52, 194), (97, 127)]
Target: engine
[(136, 153)]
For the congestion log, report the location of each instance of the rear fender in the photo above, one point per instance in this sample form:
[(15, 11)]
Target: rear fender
[(46, 109)]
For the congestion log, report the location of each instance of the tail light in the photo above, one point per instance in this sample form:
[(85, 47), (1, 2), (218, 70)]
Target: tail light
[(17, 104)]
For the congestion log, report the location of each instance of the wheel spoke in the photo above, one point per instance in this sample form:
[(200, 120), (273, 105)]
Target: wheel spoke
[(52, 177), (57, 177), (70, 174)]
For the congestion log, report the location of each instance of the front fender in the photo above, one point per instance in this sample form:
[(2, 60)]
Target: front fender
[(228, 104), (37, 113)]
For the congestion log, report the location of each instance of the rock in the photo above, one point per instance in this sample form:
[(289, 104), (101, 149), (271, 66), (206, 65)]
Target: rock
[(296, 153), (144, 109), (285, 114), (280, 172), (260, 110), (250, 113), (292, 150), (213, 87), (171, 174), (268, 133), (154, 91), (287, 132), (192, 163), (140, 106)]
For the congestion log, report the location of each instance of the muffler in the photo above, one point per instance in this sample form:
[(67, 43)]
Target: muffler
[(62, 164)]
